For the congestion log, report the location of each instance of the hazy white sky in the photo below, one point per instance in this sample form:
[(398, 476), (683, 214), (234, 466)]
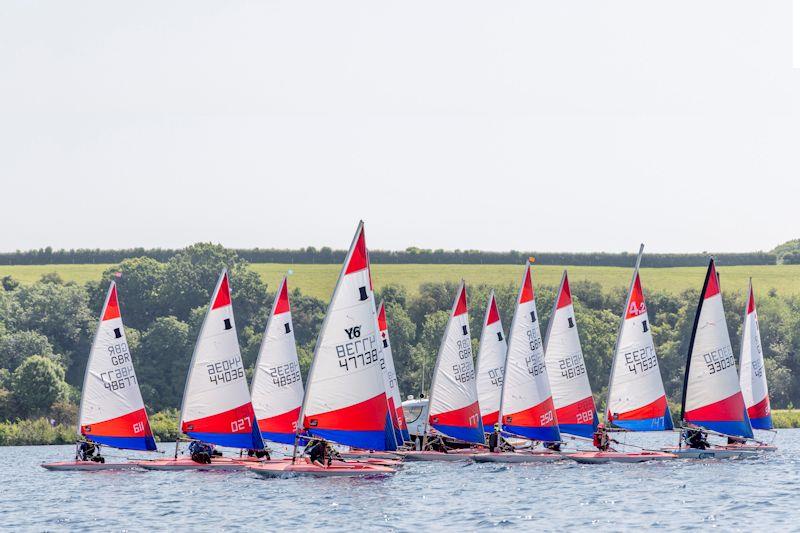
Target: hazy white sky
[(566, 125)]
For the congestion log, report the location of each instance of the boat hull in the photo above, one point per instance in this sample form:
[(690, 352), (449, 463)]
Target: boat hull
[(752, 447), (89, 466), (620, 457), (284, 469), (437, 456), (184, 463), (366, 454), (711, 453), (517, 457)]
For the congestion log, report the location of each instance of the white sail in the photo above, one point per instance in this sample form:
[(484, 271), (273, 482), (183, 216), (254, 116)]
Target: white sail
[(753, 373), (491, 362)]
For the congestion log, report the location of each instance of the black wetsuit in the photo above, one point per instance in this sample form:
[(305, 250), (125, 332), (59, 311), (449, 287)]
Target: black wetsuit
[(316, 452), (696, 439)]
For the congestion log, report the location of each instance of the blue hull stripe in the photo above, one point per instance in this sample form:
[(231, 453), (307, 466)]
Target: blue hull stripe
[(125, 443), (762, 423), (367, 440), (544, 434), (466, 434)]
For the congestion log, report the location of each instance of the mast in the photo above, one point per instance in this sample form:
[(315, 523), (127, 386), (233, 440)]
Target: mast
[(619, 330)]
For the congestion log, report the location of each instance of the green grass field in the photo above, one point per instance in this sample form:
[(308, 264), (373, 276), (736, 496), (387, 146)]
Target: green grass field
[(318, 280)]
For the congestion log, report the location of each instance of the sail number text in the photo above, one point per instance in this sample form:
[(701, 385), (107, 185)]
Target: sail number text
[(122, 375), (225, 371), (641, 360), (719, 359), (284, 375), (572, 366), (357, 352)]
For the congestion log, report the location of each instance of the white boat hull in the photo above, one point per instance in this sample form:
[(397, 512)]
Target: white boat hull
[(590, 457), (218, 463), (88, 466), (710, 453), (285, 469), (517, 457), (437, 456)]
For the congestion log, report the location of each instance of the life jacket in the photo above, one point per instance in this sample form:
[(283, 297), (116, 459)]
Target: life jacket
[(597, 439)]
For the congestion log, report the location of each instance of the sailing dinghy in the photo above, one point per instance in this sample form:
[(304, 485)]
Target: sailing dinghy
[(216, 404), (636, 397), (277, 383), (345, 395), (712, 398), (492, 351), (453, 402), (751, 363), (526, 408), (112, 411), (566, 369)]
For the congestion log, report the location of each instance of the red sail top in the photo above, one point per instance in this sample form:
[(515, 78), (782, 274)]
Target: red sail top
[(283, 299), (565, 297), (358, 260), (751, 302), (223, 296), (461, 306), (382, 318), (494, 315), (527, 287), (112, 307), (636, 304), (712, 287)]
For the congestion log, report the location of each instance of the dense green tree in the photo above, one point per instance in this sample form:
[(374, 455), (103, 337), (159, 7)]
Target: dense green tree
[(17, 346), (162, 362), (36, 385)]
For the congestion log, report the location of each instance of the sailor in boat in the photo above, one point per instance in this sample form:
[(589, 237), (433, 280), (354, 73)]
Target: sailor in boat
[(322, 453), (553, 446), (437, 444), (600, 439), (202, 452), (497, 443), (89, 451), (736, 441), (695, 438), (259, 454)]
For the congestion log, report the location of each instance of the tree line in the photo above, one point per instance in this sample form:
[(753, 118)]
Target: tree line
[(46, 328), (325, 255)]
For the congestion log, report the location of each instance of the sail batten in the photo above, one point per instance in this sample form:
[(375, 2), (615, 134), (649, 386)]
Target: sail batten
[(712, 396), (526, 407), (112, 410), (566, 368), (454, 409)]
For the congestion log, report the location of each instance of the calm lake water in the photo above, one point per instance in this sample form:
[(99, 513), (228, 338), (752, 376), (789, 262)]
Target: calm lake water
[(730, 495)]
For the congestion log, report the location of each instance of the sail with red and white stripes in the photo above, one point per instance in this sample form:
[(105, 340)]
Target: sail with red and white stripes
[(491, 362), (277, 383), (712, 397), (392, 383), (527, 408), (566, 369), (751, 365), (636, 397), (216, 401), (454, 409), (345, 398), (112, 410)]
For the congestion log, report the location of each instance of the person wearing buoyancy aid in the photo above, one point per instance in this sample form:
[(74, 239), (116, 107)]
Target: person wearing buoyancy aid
[(89, 451), (259, 454), (316, 452), (600, 438), (696, 438), (497, 443), (202, 452)]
